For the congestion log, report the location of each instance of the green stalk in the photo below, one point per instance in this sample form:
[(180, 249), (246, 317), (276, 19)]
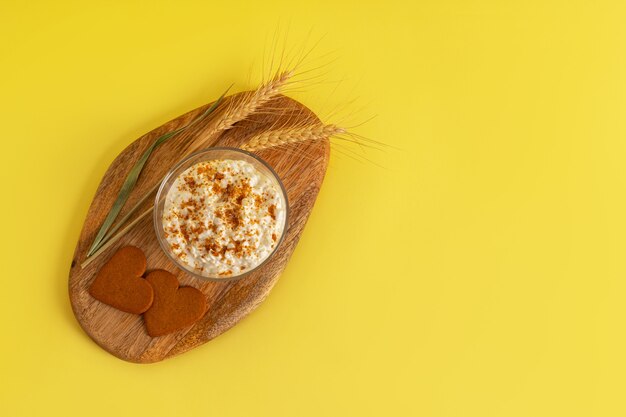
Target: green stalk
[(133, 175)]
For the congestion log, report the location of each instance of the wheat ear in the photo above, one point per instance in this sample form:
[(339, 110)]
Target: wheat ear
[(291, 135), (248, 102)]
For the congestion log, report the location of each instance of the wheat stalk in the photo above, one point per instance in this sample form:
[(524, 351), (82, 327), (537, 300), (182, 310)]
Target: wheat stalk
[(116, 237), (239, 109), (291, 135), (132, 177)]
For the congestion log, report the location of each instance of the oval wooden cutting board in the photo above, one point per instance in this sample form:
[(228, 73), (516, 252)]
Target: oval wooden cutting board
[(301, 169)]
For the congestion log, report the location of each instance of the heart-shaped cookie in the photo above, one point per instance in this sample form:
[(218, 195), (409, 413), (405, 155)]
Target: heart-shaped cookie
[(173, 308), (120, 284)]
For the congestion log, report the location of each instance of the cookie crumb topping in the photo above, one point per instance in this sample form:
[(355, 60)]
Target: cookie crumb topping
[(223, 217)]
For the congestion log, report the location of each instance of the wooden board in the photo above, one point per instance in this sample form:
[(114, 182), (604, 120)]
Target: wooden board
[(301, 169)]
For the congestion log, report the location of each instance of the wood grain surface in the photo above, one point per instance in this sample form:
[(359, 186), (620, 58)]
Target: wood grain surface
[(301, 169)]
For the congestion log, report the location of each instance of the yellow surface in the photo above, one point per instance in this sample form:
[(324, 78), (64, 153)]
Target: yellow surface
[(480, 272)]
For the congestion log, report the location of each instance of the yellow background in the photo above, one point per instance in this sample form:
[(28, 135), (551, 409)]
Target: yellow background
[(479, 272)]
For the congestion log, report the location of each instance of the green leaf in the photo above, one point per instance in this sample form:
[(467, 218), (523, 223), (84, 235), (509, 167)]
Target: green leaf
[(133, 175)]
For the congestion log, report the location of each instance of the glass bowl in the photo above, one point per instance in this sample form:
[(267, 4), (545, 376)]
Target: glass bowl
[(212, 154)]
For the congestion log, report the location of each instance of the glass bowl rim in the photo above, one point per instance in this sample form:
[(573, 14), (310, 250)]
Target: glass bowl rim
[(183, 162)]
